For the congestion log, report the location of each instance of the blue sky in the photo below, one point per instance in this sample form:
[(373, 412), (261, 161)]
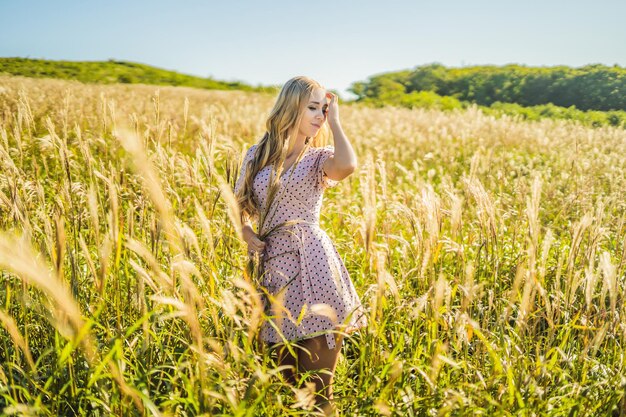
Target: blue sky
[(336, 42)]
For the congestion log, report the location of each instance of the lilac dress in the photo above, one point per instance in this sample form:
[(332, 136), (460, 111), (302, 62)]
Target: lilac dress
[(307, 288)]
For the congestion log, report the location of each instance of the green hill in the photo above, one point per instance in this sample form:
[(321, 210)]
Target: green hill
[(112, 71)]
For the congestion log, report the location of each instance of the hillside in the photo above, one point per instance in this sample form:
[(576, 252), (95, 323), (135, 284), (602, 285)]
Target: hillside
[(112, 71), (526, 92)]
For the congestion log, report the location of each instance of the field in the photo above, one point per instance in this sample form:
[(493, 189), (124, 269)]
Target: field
[(490, 254)]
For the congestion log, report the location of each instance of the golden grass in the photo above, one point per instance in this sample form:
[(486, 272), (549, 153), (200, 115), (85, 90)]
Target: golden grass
[(489, 253)]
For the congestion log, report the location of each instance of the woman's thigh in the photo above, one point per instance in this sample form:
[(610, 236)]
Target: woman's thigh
[(315, 354)]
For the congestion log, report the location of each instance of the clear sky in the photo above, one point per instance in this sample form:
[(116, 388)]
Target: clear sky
[(336, 42)]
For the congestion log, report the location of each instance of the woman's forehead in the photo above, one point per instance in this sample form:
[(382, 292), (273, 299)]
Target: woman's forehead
[(318, 95)]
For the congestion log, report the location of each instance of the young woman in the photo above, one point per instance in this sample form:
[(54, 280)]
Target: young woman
[(309, 297)]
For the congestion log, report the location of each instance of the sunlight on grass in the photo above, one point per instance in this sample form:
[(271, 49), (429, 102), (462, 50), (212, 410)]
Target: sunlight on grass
[(490, 254)]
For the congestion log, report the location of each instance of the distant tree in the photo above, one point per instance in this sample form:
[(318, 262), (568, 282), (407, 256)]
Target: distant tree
[(431, 77)]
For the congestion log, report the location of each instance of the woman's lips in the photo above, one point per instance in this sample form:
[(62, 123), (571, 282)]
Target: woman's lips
[(315, 125)]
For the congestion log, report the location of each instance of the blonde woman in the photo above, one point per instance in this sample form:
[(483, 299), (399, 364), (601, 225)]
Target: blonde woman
[(309, 297)]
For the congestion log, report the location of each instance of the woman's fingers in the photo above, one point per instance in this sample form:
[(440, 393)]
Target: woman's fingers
[(256, 245)]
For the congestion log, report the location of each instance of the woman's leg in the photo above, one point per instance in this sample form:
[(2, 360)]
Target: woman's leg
[(316, 356), (285, 358)]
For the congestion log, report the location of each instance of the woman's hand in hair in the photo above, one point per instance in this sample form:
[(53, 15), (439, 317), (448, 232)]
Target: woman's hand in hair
[(254, 243), (332, 114)]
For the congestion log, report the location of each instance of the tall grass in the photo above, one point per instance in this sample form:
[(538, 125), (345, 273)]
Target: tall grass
[(489, 254)]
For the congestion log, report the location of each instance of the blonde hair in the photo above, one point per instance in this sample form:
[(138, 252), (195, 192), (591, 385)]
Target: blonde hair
[(282, 129)]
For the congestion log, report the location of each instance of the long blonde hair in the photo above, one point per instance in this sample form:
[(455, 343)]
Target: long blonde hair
[(282, 129)]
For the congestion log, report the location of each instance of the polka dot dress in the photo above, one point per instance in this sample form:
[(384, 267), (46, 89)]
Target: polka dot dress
[(307, 289)]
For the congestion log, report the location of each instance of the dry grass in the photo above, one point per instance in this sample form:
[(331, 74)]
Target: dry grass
[(490, 254)]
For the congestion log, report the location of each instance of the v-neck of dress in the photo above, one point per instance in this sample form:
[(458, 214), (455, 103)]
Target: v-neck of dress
[(285, 171)]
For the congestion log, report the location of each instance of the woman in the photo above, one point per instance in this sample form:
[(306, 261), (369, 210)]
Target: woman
[(308, 294)]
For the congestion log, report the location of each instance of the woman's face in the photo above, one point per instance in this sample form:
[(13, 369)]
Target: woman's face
[(314, 113)]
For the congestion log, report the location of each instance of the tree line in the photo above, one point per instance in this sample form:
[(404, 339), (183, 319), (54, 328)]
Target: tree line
[(591, 87)]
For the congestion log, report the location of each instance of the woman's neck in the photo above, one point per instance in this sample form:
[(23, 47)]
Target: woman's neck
[(296, 147)]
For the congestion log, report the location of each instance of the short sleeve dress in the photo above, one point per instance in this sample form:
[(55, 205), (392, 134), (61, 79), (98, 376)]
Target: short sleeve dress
[(306, 286)]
